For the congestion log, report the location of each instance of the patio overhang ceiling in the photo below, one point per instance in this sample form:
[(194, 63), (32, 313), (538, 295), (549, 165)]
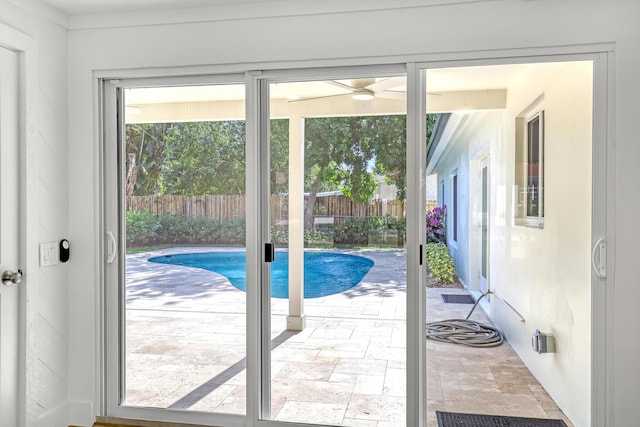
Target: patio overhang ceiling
[(212, 110), (463, 89), (460, 89)]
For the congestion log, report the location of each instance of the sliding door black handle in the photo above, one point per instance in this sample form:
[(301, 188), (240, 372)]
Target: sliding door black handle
[(269, 252)]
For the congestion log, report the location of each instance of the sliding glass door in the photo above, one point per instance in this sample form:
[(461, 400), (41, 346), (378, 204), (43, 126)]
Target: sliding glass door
[(197, 267), (337, 323), (522, 227), (177, 304), (264, 260)]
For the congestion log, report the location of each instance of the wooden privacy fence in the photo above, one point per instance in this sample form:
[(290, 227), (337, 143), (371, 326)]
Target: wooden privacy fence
[(210, 207), (224, 207)]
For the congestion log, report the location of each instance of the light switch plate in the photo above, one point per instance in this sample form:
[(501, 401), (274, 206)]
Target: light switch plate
[(49, 253)]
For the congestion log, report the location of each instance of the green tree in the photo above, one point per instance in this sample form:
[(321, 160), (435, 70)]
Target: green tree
[(391, 151), (204, 158), (279, 140), (145, 146), (341, 153), (350, 152)]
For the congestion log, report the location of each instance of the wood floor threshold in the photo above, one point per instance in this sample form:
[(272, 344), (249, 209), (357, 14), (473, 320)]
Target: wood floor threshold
[(125, 422)]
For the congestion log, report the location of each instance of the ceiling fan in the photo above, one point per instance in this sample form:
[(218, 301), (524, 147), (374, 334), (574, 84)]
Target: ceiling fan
[(366, 89)]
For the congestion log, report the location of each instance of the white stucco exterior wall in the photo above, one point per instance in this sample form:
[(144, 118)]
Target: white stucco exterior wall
[(545, 274), (468, 140)]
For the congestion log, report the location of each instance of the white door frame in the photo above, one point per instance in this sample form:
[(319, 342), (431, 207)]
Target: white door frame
[(9, 242), (603, 195), (113, 255), (27, 51), (603, 189)]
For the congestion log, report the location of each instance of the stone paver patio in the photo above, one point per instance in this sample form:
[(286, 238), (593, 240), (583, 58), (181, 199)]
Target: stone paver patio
[(186, 350)]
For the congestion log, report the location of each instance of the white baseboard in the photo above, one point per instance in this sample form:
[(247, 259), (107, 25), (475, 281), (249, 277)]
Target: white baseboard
[(81, 413), (69, 413), (54, 417)]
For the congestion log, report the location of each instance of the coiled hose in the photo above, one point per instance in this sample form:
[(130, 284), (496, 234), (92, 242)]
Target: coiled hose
[(465, 332)]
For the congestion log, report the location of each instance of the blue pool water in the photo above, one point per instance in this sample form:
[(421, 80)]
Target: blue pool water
[(325, 273)]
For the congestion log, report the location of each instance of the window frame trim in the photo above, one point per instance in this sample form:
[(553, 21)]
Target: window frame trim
[(531, 112), (536, 220)]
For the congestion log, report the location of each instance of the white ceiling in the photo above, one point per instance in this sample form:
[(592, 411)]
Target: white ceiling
[(85, 7), (249, 7)]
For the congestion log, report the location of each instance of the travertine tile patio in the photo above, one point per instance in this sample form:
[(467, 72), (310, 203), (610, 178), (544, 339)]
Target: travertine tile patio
[(186, 350)]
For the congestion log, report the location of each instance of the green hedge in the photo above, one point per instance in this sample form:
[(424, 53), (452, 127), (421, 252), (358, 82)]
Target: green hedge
[(354, 231), (440, 263), (144, 229), (358, 231)]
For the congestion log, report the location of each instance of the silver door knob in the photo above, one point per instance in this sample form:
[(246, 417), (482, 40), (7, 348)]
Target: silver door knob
[(10, 278)]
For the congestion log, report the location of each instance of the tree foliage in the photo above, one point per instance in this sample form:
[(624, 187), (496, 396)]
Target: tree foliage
[(341, 153), (351, 152), (279, 140), (204, 158), (145, 157)]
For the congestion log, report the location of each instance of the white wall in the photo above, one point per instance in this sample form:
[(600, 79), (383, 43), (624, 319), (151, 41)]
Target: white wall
[(353, 38), (468, 140), (545, 274), (46, 288)]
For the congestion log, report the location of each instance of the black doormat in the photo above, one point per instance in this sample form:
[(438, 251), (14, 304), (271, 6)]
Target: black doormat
[(454, 419), (458, 299)]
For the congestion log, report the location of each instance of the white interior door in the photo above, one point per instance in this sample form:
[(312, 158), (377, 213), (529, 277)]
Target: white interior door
[(9, 232)]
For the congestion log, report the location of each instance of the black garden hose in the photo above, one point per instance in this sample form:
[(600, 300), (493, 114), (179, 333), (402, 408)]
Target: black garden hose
[(465, 332)]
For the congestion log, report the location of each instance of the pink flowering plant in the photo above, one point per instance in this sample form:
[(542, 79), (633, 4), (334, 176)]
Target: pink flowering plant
[(436, 220)]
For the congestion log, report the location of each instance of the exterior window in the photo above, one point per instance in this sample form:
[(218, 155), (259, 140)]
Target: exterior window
[(535, 167), (454, 202), (529, 167)]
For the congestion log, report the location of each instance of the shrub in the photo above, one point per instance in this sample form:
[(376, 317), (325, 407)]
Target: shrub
[(205, 231), (279, 236), (318, 238), (400, 226), (231, 231), (440, 263), (145, 229), (395, 224), (175, 229), (436, 225), (354, 231), (142, 228)]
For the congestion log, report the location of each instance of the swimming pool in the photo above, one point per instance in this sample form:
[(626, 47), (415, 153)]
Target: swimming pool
[(325, 273)]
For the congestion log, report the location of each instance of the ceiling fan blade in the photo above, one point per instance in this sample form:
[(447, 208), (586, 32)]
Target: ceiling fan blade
[(391, 94), (311, 98), (363, 83), (388, 83), (400, 94), (341, 85)]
